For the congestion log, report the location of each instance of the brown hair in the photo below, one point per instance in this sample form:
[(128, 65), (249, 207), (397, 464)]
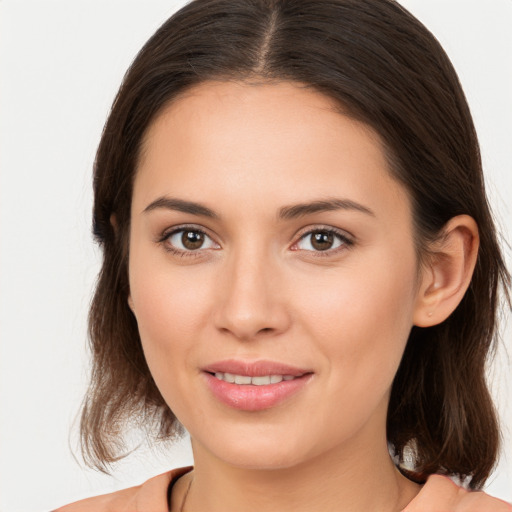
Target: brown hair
[(383, 67)]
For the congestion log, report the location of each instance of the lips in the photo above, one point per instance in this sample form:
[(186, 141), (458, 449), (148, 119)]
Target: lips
[(254, 386), (255, 368), (255, 381)]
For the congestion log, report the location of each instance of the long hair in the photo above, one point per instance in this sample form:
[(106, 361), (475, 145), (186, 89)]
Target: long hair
[(382, 67)]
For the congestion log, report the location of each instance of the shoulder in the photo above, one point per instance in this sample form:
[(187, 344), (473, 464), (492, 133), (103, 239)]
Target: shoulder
[(151, 496), (440, 493)]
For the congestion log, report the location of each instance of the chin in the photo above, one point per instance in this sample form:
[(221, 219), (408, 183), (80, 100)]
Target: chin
[(259, 451)]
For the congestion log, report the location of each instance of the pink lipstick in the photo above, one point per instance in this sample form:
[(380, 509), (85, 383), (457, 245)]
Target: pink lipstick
[(254, 386)]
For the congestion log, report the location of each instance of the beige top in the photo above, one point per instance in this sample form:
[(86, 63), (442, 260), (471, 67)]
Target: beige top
[(151, 496), (439, 493)]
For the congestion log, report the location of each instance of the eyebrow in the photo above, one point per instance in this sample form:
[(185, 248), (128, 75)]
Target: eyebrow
[(172, 203), (300, 210), (285, 213)]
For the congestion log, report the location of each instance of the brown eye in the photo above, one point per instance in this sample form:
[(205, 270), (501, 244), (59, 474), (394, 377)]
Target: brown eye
[(322, 240), (192, 240), (188, 240)]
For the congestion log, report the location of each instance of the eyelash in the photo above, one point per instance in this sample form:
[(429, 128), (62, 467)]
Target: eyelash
[(166, 235), (346, 242)]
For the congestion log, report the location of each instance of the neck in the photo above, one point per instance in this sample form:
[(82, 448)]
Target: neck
[(353, 479)]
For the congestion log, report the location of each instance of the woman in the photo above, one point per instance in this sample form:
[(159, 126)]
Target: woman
[(300, 266)]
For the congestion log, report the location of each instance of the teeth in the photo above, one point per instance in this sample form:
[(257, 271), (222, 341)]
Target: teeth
[(261, 381), (255, 381), (228, 377)]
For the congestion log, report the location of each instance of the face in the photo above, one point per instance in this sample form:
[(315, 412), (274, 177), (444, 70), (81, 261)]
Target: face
[(269, 245)]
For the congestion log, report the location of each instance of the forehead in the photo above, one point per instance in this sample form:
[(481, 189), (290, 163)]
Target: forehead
[(249, 107), (279, 141)]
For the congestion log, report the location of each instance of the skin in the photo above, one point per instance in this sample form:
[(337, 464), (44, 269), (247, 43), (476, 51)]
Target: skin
[(258, 289)]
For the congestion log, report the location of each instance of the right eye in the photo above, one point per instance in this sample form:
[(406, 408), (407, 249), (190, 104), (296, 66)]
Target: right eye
[(188, 240)]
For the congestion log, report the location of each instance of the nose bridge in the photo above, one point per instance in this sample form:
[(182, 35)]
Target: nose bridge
[(249, 302)]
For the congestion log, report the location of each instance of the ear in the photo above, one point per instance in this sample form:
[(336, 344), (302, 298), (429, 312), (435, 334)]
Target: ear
[(446, 276), (114, 224), (130, 303), (113, 221)]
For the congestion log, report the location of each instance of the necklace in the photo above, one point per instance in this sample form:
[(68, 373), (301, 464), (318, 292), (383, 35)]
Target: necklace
[(185, 496)]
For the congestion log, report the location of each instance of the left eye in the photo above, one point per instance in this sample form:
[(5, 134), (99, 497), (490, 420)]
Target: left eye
[(190, 240), (321, 240)]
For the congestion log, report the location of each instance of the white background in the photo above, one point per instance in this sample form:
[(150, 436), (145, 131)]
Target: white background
[(61, 64)]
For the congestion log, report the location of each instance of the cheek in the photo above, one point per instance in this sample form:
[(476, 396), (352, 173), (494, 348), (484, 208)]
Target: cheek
[(169, 308), (166, 308), (170, 313), (361, 319)]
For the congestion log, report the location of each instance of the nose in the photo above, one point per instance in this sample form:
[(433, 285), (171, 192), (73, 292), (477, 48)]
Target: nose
[(251, 299)]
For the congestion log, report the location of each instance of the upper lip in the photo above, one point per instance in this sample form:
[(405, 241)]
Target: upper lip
[(254, 368)]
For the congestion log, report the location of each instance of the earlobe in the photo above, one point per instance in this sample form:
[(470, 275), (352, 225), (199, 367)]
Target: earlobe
[(448, 273), (114, 224), (130, 304), (113, 221)]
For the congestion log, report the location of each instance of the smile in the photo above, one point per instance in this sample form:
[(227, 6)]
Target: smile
[(254, 381), (254, 393)]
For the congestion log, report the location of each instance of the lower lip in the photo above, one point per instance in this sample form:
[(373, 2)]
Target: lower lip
[(248, 397)]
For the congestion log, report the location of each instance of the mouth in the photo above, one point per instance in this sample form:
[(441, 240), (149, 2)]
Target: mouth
[(263, 380), (254, 386)]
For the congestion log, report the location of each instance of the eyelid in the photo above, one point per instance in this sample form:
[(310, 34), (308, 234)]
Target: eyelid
[(163, 238), (347, 238)]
